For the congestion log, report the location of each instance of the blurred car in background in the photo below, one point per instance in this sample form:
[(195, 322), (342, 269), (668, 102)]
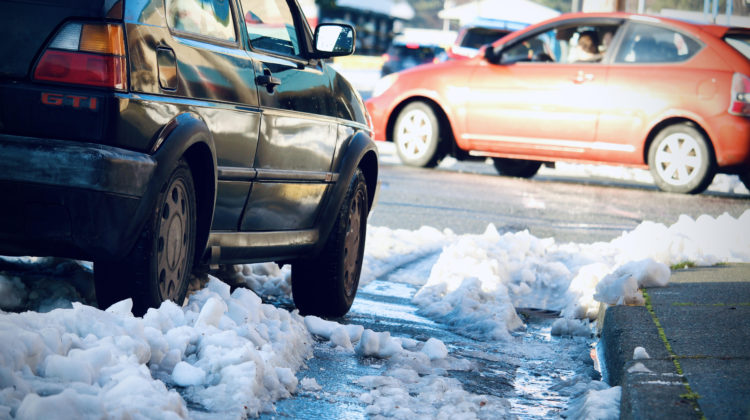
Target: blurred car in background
[(478, 33), (404, 55), (611, 88), (413, 47)]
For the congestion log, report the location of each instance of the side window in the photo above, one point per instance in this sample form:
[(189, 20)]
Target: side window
[(270, 26), (654, 44), (535, 48), (212, 18), (564, 44)]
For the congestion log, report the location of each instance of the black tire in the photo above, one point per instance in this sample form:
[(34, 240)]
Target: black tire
[(516, 167), (416, 135), (159, 266), (326, 286), (681, 160)]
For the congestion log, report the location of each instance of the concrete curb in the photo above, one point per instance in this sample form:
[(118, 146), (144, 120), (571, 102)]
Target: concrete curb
[(651, 388), (697, 336)]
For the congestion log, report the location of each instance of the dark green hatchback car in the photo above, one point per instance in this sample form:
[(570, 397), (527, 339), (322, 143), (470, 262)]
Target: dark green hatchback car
[(153, 137)]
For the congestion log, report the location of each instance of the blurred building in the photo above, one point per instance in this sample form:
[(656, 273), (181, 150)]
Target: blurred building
[(376, 21), (521, 11), (460, 13), (733, 12)]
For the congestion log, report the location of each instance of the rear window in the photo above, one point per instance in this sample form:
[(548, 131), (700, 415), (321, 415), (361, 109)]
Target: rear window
[(740, 42), (476, 37), (212, 18)]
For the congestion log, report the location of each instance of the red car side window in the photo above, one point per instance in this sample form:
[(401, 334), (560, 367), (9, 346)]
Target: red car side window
[(654, 44)]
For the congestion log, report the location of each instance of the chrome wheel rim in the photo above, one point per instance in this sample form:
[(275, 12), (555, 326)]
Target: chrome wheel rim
[(172, 241), (414, 134), (679, 159)]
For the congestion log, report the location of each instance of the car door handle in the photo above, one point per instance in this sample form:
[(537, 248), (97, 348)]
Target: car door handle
[(583, 77), (268, 80)]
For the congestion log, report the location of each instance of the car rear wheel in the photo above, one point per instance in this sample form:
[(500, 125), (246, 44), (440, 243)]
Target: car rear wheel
[(326, 286), (416, 135), (159, 266), (516, 167), (680, 160)]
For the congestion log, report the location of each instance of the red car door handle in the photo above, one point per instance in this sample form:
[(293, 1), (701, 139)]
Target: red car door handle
[(583, 77)]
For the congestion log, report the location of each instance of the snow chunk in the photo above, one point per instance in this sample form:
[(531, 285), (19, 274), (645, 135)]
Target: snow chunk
[(211, 313), (185, 374), (639, 368), (338, 334), (380, 345), (435, 349), (68, 404), (639, 353), (622, 286), (123, 307), (596, 405), (310, 385)]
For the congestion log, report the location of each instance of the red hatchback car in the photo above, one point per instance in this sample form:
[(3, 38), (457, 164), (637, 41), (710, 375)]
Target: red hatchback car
[(611, 88)]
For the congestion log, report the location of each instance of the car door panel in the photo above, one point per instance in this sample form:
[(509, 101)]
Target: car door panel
[(535, 108), (235, 128), (296, 144)]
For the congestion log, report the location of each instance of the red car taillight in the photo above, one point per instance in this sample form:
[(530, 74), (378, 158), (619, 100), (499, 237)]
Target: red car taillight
[(740, 104), (85, 54)]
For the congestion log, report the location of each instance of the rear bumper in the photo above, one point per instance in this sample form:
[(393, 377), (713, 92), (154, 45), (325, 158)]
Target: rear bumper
[(76, 200)]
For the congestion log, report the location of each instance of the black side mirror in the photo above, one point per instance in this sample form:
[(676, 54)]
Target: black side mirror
[(492, 54), (334, 39)]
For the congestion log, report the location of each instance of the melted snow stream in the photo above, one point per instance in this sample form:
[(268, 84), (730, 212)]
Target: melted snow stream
[(532, 372)]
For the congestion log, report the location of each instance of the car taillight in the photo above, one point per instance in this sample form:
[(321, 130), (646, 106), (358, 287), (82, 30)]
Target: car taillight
[(740, 104), (90, 54)]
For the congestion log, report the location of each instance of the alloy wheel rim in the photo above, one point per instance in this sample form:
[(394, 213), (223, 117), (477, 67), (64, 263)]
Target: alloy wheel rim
[(414, 134), (172, 242), (679, 159)]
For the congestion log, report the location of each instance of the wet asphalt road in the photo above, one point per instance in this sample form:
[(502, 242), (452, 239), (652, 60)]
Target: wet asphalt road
[(467, 196)]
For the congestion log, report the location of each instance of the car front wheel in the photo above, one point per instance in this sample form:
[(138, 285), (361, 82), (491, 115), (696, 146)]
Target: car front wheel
[(516, 167), (159, 266), (325, 286), (680, 160), (416, 135)]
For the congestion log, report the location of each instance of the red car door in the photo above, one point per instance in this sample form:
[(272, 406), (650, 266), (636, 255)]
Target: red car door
[(541, 99)]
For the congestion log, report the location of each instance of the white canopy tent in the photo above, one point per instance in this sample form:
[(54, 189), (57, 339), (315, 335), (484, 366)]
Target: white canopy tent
[(522, 11)]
